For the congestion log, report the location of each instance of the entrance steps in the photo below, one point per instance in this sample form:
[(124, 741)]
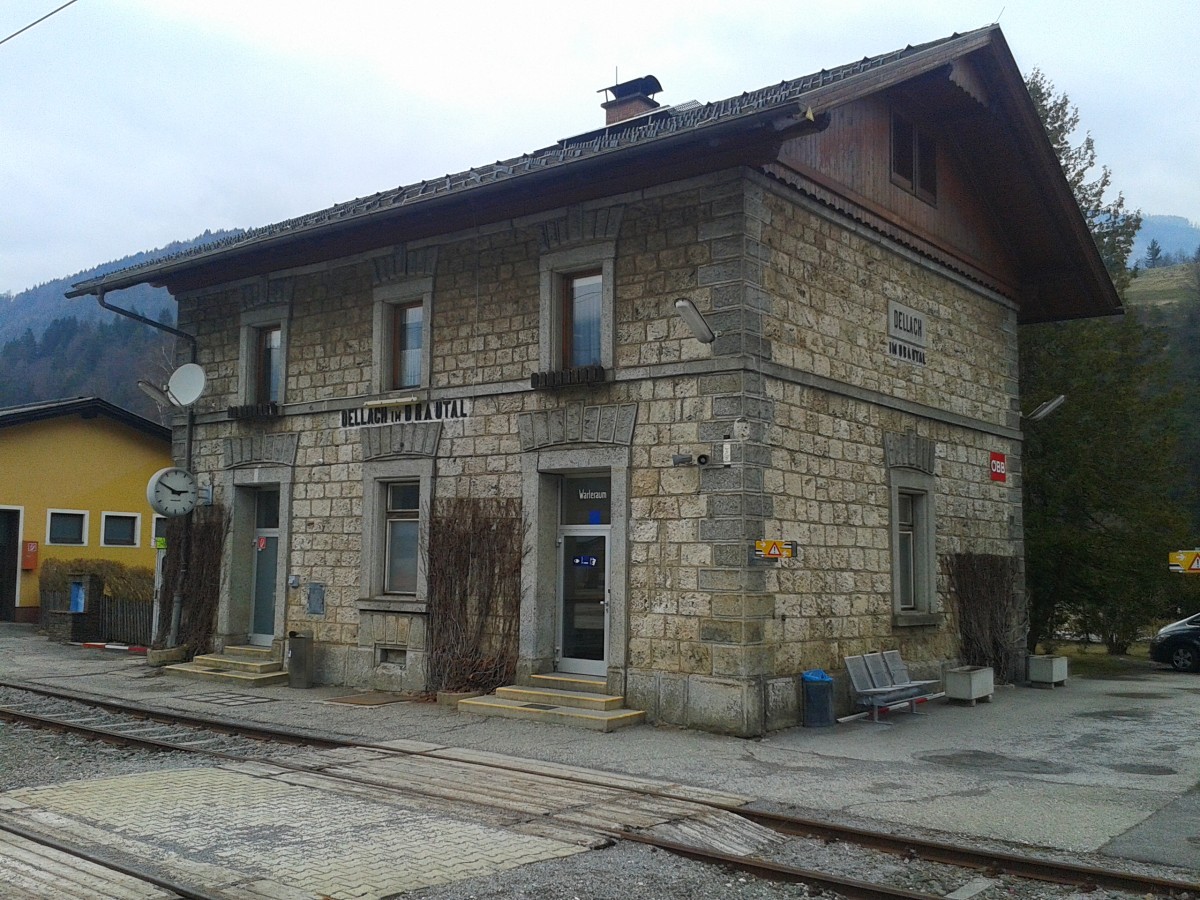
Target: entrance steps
[(244, 666), (578, 700)]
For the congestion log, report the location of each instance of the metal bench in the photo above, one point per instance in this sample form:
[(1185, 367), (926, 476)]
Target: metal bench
[(881, 682)]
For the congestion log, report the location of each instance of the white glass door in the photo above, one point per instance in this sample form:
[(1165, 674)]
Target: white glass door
[(583, 576), (583, 605), (266, 567)]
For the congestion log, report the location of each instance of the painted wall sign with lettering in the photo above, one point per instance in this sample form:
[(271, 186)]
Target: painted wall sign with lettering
[(434, 411), (907, 334)]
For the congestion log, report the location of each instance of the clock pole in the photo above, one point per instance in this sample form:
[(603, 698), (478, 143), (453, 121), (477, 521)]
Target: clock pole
[(186, 543)]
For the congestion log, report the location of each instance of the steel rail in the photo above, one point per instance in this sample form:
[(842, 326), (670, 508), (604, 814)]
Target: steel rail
[(850, 888), (250, 730), (184, 891), (992, 862)]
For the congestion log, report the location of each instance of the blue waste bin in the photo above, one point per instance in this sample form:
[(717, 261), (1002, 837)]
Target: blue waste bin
[(818, 698)]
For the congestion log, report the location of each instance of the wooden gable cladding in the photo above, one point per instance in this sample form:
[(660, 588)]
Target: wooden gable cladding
[(849, 166)]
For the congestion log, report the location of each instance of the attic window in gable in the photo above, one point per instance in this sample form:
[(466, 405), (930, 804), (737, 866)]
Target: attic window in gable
[(914, 158)]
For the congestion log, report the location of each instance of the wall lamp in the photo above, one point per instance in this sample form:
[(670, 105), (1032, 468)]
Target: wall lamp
[(694, 320), (1046, 408)]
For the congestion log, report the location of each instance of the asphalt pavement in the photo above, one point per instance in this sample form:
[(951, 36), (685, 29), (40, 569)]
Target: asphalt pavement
[(1104, 765)]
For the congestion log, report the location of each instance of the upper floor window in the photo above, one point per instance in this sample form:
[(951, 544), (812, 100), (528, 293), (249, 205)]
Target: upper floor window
[(914, 158), (408, 327), (401, 334), (66, 527), (582, 315), (577, 308), (268, 364), (262, 366)]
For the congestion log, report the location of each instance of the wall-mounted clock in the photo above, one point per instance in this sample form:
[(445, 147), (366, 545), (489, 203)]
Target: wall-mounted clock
[(172, 492)]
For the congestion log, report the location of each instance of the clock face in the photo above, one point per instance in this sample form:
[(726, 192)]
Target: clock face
[(171, 492)]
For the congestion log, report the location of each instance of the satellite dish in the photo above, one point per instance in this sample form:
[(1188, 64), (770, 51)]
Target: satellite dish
[(156, 393), (186, 384)]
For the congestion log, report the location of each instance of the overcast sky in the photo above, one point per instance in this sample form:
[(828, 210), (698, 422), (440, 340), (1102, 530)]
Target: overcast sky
[(127, 124)]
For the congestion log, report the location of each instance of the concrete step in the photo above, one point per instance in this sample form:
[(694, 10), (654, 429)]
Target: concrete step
[(593, 719), (236, 662), (250, 651), (228, 676), (548, 696), (562, 681)]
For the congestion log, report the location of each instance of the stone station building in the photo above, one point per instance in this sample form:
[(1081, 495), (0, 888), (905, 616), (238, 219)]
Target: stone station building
[(719, 493)]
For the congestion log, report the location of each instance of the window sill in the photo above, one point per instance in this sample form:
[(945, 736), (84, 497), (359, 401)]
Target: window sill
[(393, 605), (915, 619)]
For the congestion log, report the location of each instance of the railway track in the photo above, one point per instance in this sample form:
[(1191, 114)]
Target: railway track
[(415, 772)]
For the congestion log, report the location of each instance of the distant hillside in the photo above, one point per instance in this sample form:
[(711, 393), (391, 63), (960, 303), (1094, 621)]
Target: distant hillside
[(1174, 234), (34, 309), (1161, 287)]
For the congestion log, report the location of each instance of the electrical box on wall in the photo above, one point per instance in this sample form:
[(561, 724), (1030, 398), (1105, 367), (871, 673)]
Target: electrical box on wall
[(29, 556)]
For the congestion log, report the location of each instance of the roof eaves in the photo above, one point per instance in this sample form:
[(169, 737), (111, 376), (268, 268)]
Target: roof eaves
[(54, 409)]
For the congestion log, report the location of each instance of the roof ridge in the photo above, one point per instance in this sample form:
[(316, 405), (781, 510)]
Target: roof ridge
[(658, 124)]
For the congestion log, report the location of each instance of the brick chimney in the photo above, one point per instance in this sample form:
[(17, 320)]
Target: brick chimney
[(630, 99)]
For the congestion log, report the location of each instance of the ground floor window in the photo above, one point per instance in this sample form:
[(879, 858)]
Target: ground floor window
[(403, 511), (67, 527), (120, 530), (913, 531)]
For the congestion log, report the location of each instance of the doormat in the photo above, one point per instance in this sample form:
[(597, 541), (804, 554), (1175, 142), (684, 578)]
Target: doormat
[(372, 698), (229, 698)]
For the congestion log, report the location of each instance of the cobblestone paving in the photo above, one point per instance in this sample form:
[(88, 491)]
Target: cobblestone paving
[(226, 827)]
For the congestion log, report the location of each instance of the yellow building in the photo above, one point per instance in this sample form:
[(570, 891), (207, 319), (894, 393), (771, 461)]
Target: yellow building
[(73, 479)]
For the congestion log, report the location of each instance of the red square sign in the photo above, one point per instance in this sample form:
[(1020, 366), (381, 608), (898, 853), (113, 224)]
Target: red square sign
[(999, 467)]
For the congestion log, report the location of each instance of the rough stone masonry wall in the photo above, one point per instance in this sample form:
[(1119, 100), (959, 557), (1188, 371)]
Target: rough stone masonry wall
[(714, 637), (483, 345), (828, 483)]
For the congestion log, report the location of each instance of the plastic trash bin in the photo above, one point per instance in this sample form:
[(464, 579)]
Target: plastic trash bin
[(300, 659), (818, 698)]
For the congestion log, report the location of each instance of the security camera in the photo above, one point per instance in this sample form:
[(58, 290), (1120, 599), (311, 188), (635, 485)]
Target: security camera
[(681, 459)]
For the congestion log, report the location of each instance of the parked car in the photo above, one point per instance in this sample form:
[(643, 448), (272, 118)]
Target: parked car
[(1178, 644)]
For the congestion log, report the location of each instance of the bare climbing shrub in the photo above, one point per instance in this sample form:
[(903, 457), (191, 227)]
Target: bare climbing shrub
[(990, 623), (201, 587), (473, 568)]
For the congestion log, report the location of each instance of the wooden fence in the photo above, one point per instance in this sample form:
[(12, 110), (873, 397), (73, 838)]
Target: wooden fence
[(112, 620)]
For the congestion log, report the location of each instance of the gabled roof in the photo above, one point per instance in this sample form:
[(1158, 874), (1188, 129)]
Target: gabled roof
[(674, 142), (85, 408)]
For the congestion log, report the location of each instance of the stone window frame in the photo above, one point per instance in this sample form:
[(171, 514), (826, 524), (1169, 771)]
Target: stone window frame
[(920, 487), (556, 268), (137, 528), (253, 323), (377, 475), (386, 299), (85, 518)]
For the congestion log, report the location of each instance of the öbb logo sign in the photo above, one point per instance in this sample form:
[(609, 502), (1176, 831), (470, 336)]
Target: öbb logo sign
[(999, 467)]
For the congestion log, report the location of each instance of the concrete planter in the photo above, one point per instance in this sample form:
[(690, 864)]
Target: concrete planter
[(167, 657), (970, 683), (1048, 670)]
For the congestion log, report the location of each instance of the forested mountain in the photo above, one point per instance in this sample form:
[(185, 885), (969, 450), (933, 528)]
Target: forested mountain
[(52, 348), (34, 309)]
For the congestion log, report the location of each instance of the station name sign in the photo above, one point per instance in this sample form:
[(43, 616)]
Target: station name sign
[(907, 334), (433, 411)]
